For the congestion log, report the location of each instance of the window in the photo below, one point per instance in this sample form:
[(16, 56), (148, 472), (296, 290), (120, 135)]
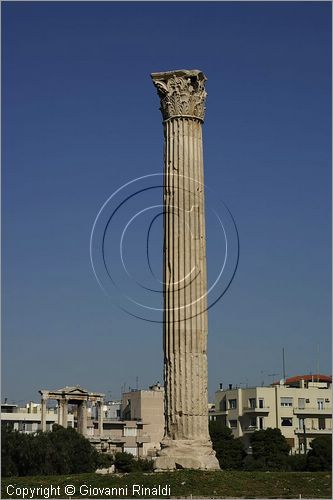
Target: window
[(252, 402), (321, 423), (233, 423), (261, 403), (253, 422), (286, 401), (261, 423), (320, 404), (301, 403), (286, 422), (232, 404), (301, 424)]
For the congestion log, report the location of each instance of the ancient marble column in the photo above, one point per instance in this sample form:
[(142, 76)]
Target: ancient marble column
[(100, 417), (186, 443), (43, 412), (64, 405), (59, 411), (82, 418)]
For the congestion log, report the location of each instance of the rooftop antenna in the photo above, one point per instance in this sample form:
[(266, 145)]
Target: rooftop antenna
[(273, 375), (284, 365), (318, 362), (137, 383)]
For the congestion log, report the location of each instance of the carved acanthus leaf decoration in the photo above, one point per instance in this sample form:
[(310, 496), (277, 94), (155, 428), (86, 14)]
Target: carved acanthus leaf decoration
[(182, 93)]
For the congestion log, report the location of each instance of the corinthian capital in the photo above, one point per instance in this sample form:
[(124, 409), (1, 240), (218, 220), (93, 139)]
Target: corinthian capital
[(182, 93)]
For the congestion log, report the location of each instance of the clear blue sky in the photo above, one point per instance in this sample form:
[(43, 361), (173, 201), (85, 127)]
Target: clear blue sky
[(81, 118)]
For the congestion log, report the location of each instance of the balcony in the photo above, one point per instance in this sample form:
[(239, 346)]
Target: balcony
[(310, 432), (250, 428), (219, 412), (143, 439), (255, 409), (117, 440), (313, 411)]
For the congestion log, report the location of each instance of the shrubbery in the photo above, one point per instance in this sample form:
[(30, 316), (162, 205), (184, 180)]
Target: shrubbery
[(230, 452), (61, 451), (320, 456), (125, 462), (270, 451)]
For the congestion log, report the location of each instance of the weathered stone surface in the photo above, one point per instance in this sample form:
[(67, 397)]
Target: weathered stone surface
[(107, 470), (186, 454), (186, 443), (182, 93)]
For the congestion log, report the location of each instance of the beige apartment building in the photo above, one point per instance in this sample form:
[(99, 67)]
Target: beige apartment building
[(140, 428), (301, 407), (147, 407)]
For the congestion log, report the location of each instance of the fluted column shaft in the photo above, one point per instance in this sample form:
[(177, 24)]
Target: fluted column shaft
[(185, 283)]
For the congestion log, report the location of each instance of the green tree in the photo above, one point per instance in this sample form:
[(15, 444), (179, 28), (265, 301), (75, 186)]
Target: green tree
[(8, 445), (270, 450), (62, 451), (230, 452), (319, 458)]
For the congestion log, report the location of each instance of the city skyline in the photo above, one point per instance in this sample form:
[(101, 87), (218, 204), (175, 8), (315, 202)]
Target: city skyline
[(81, 119)]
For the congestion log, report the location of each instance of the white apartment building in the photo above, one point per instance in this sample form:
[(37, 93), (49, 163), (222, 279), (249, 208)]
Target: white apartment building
[(28, 418), (301, 407)]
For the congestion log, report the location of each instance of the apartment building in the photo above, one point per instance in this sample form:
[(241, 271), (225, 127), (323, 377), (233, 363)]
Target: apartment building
[(301, 407), (146, 407), (28, 419)]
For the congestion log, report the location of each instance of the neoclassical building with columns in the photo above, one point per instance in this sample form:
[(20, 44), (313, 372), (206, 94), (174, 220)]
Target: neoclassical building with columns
[(79, 397)]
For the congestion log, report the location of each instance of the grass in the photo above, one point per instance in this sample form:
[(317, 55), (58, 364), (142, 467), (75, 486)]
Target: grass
[(218, 484)]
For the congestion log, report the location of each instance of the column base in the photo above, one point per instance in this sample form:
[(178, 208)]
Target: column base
[(186, 454)]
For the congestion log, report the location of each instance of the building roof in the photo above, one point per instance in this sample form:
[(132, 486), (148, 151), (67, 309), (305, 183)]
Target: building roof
[(70, 391), (316, 377)]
